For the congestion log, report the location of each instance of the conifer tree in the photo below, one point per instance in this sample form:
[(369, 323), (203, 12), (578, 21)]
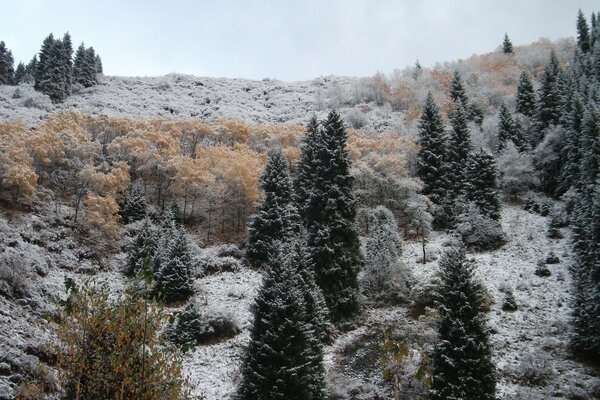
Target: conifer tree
[(284, 357), (275, 216), (462, 359), (583, 33), (30, 70), (67, 61), (459, 147), (549, 104), (481, 185), (19, 73), (571, 152), (306, 168), (134, 207), (174, 278), (457, 90), (99, 69), (7, 64), (525, 95), (143, 248), (508, 129), (432, 168), (84, 66), (328, 211), (507, 47), (41, 64)]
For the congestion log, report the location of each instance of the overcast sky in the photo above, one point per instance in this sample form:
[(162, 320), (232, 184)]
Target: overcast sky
[(283, 39)]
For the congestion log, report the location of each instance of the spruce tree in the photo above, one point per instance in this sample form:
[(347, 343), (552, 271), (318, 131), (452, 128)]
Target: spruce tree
[(589, 170), (549, 104), (572, 152), (41, 64), (432, 168), (174, 278), (459, 147), (143, 248), (508, 129), (284, 357), (19, 73), (134, 208), (583, 33), (457, 90), (328, 210), (85, 67), (462, 359), (275, 216), (526, 103), (67, 61), (30, 70), (507, 47), (306, 168), (99, 69), (7, 64), (481, 185)]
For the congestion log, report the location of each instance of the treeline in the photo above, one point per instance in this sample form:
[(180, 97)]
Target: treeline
[(54, 70)]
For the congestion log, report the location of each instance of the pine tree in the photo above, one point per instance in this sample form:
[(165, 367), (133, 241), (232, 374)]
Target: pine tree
[(67, 61), (143, 248), (526, 103), (549, 104), (284, 357), (19, 73), (571, 152), (275, 216), (7, 64), (462, 359), (507, 47), (85, 66), (306, 168), (583, 33), (99, 69), (328, 211), (589, 170), (134, 207), (418, 71), (41, 64), (457, 90), (174, 278), (459, 147), (508, 129), (52, 69), (481, 185), (432, 168), (30, 70)]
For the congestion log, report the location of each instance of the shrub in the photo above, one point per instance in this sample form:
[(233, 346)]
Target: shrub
[(541, 269), (478, 231), (510, 303), (211, 264), (113, 350)]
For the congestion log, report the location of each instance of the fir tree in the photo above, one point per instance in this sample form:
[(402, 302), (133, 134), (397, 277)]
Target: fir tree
[(20, 73), (432, 168), (7, 64), (571, 151), (134, 207), (508, 129), (481, 185), (275, 216), (174, 278), (284, 357), (549, 104), (52, 69), (526, 103), (84, 66), (417, 71), (41, 64), (99, 69), (143, 248), (30, 70), (462, 359), (507, 47), (457, 90), (306, 168), (459, 147), (590, 147), (328, 210), (583, 33), (67, 61)]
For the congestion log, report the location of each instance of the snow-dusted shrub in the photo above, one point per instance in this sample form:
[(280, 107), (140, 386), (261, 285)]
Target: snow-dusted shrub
[(516, 172), (210, 264), (355, 118), (509, 303), (423, 295), (229, 250), (342, 387), (192, 327), (13, 276), (552, 258), (536, 369), (37, 101), (478, 231), (542, 270)]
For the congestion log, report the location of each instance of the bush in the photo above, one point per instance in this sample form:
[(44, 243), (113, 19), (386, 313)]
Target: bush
[(541, 269), (477, 231), (213, 264), (535, 370), (510, 303), (552, 258), (113, 350), (229, 250), (191, 327), (13, 276)]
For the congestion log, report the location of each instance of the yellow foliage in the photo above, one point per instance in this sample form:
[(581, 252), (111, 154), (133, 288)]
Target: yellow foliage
[(102, 213)]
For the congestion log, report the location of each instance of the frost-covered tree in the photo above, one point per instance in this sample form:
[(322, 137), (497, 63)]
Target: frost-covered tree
[(459, 147), (328, 209), (526, 102), (549, 105), (85, 66), (583, 33), (276, 216), (142, 249), (516, 175), (306, 167), (99, 68), (7, 65), (509, 129), (134, 207), (432, 168), (284, 357), (53, 68), (507, 47), (174, 277), (382, 253), (66, 57), (462, 359), (481, 185), (458, 92), (20, 73)]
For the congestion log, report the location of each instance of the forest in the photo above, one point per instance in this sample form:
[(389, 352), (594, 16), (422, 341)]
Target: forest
[(429, 234)]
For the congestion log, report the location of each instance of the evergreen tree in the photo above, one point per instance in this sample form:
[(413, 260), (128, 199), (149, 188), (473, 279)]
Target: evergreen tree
[(19, 73), (306, 168), (590, 147), (41, 64), (508, 129), (134, 207), (459, 147), (583, 33), (284, 357), (275, 216), (328, 210), (143, 248), (52, 70), (30, 70), (549, 104), (99, 69), (571, 151), (418, 70), (84, 66), (7, 65), (526, 103), (67, 61), (432, 168), (457, 90), (507, 47), (481, 187), (174, 278), (462, 359)]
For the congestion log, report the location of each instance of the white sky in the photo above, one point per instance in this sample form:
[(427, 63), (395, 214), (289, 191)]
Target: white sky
[(282, 39)]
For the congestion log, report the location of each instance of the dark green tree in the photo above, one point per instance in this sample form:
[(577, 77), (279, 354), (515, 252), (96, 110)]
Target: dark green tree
[(174, 278), (7, 65), (458, 92), (19, 73), (549, 104), (99, 69), (526, 103), (142, 249), (457, 153), (67, 60), (284, 357), (306, 168), (509, 129), (462, 359), (481, 186), (85, 67), (583, 33), (134, 207), (328, 210), (507, 47), (276, 216)]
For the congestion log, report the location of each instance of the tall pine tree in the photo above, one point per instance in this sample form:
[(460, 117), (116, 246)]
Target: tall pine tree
[(481, 186), (583, 33), (549, 105), (458, 92), (507, 47), (462, 359), (509, 129), (526, 103), (174, 280), (7, 65)]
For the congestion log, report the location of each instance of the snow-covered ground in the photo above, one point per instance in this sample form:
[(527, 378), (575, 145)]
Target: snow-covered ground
[(530, 344)]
